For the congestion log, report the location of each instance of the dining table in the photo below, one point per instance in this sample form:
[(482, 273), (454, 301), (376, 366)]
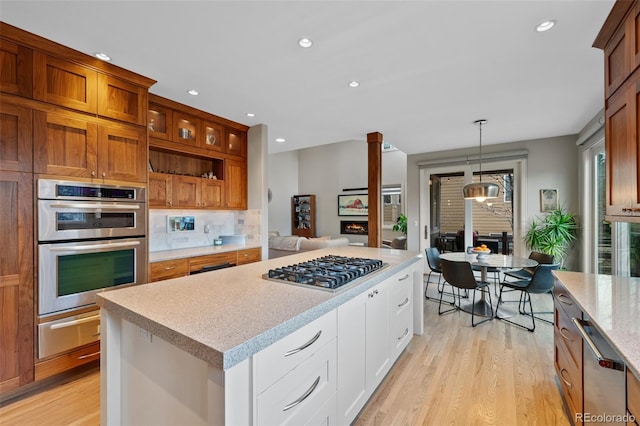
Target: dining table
[(486, 261)]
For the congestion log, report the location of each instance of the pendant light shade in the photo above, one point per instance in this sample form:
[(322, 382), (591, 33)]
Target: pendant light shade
[(480, 191)]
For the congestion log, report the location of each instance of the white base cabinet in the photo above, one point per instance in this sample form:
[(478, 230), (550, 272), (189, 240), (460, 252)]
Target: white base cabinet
[(374, 328), (321, 374)]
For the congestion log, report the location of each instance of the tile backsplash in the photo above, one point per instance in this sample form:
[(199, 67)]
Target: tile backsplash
[(219, 223)]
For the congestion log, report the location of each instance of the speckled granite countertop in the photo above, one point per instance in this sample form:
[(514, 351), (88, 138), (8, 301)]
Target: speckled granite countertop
[(225, 316), (159, 256), (613, 304)]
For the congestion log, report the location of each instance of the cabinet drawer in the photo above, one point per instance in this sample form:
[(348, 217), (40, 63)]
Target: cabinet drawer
[(199, 262), (275, 361), (569, 376), (169, 269), (302, 392), (401, 293), (563, 299), (68, 361), (249, 255), (569, 337), (633, 395)]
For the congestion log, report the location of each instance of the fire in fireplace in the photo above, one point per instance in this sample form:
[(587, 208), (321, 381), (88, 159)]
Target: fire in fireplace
[(354, 227)]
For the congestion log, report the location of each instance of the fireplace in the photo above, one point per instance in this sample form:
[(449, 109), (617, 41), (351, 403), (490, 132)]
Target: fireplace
[(354, 227)]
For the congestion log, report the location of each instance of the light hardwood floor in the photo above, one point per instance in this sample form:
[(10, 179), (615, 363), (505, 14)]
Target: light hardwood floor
[(493, 374)]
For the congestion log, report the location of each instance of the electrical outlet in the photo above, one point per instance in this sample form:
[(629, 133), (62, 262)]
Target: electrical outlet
[(207, 229)]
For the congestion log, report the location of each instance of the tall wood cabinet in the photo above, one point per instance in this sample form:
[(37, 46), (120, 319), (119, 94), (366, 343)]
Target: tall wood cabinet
[(16, 280), (618, 38), (303, 215), (62, 113), (187, 148)]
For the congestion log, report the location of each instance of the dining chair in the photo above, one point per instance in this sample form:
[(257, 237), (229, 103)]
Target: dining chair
[(527, 273), (461, 277), (542, 281), (433, 260)]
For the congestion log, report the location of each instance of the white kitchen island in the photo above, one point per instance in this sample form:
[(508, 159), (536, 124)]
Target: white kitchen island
[(229, 347)]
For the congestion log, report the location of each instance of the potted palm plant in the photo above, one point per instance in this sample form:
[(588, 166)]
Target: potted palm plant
[(552, 234), (401, 224)]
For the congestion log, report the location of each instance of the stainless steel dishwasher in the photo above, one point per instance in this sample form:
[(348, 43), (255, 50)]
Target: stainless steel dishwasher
[(604, 380)]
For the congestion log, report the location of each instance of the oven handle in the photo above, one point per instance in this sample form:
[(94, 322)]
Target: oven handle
[(96, 206), (602, 361), (75, 322), (95, 246)]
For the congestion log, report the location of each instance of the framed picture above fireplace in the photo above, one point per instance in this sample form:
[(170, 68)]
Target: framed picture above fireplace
[(353, 205)]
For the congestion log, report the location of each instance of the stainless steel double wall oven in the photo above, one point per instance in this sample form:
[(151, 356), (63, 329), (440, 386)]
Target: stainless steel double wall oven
[(91, 237)]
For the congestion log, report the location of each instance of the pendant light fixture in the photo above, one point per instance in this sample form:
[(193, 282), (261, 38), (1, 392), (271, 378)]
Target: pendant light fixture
[(482, 190)]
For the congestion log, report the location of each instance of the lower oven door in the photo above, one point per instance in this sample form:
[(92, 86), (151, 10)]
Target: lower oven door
[(65, 334), (70, 274)]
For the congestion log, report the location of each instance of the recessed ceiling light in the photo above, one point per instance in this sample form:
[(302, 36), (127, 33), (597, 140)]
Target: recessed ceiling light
[(354, 84), (545, 26), (280, 140), (250, 114), (305, 42), (103, 56), (193, 92)]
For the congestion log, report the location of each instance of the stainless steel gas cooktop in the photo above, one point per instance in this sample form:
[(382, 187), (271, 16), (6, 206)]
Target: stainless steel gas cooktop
[(326, 273)]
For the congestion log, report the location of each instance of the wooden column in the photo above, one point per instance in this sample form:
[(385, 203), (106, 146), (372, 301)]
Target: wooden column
[(374, 149)]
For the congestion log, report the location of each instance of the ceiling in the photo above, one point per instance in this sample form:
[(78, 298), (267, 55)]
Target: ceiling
[(427, 69)]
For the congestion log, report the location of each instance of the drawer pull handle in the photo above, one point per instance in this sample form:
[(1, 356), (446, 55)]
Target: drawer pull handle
[(564, 335), (72, 323), (168, 268), (406, 331), (89, 355), (403, 278), (566, 382), (305, 346), (564, 299), (404, 302), (303, 396)]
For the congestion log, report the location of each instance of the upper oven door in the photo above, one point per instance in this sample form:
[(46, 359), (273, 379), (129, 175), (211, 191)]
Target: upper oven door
[(70, 220)]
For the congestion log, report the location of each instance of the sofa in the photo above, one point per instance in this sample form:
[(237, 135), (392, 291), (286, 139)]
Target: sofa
[(286, 245)]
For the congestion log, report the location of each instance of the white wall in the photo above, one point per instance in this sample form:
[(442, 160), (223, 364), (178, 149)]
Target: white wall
[(325, 171), (283, 182)]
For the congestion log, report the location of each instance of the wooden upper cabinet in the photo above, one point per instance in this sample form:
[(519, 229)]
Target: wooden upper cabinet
[(16, 281), (622, 122), (160, 121), (211, 193), (235, 178), (159, 190), (71, 144), (16, 69), (213, 137), (122, 153), (186, 191), (16, 142), (122, 100), (65, 143), (236, 143), (64, 83), (186, 129)]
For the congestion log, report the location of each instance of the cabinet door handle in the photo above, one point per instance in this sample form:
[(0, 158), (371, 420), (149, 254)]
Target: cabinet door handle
[(373, 293), (404, 302), (104, 174), (406, 331), (403, 278), (304, 346), (93, 172), (303, 396), (89, 355), (566, 382), (564, 335), (564, 299)]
